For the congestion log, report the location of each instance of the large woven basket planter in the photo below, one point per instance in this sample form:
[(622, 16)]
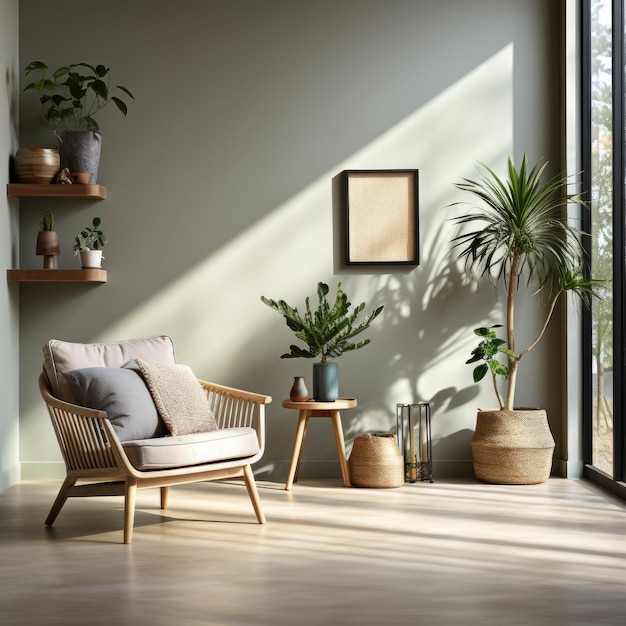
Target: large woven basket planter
[(512, 447), (376, 461)]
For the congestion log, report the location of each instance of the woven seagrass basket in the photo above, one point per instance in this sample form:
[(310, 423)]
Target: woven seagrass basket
[(376, 461), (512, 447)]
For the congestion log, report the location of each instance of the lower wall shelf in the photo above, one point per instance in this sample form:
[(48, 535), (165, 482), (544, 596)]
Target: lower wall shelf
[(58, 276), (20, 190)]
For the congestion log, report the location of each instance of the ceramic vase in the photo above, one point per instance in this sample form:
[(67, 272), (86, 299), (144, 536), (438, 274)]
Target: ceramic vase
[(299, 392), (80, 152), (325, 382), (36, 165), (91, 259), (48, 246)]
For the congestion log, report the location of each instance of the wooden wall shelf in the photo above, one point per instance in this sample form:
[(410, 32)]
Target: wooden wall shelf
[(94, 192), (58, 276)]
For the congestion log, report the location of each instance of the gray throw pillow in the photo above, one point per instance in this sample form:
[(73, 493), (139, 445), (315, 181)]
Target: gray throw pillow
[(179, 398), (123, 394)]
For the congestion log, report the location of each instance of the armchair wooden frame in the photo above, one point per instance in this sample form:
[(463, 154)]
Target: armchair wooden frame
[(92, 452)]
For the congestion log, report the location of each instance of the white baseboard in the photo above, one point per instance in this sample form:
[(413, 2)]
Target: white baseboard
[(9, 476)]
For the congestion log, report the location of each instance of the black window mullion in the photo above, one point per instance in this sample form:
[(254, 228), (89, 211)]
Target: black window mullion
[(619, 219), (587, 330)]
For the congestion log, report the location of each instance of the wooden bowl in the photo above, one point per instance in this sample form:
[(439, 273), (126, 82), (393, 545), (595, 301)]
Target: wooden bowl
[(36, 165)]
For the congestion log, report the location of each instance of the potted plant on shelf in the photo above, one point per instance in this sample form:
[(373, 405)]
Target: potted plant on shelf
[(70, 98), (327, 332), (89, 243), (47, 241), (522, 233)]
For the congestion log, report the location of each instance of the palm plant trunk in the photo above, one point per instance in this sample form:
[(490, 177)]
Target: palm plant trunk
[(510, 329)]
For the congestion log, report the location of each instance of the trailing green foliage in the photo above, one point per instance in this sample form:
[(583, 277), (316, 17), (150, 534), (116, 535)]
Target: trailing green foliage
[(73, 94), (522, 229), (485, 352), (90, 237), (327, 331)]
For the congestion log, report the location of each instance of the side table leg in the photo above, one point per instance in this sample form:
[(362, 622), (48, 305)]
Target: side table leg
[(341, 447), (297, 449)]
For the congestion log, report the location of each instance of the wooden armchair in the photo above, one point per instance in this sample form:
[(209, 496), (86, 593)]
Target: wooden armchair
[(104, 465)]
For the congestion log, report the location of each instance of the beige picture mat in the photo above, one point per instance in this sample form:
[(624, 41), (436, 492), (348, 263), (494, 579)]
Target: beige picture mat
[(382, 217)]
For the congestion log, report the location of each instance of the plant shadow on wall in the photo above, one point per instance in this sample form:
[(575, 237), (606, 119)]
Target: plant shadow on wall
[(419, 334)]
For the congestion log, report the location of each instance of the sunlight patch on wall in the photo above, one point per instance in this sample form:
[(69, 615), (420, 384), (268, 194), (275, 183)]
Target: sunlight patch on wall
[(214, 313)]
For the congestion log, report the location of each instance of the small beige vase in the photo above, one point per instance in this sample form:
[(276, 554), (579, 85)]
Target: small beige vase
[(512, 447)]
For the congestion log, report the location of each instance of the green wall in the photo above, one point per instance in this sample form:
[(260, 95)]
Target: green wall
[(220, 189), (9, 323)]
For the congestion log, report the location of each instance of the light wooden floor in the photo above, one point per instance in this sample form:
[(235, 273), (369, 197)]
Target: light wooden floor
[(444, 553)]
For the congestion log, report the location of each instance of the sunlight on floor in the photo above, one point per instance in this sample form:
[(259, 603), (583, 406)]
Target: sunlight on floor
[(452, 552)]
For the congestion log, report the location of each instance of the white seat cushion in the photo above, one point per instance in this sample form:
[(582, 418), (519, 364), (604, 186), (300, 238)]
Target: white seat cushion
[(192, 449)]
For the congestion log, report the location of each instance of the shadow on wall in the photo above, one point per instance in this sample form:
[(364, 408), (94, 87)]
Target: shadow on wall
[(421, 349)]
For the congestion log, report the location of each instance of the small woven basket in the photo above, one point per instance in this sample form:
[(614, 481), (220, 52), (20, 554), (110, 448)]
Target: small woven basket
[(376, 461)]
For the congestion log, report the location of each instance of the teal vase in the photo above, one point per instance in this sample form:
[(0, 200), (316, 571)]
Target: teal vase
[(325, 382)]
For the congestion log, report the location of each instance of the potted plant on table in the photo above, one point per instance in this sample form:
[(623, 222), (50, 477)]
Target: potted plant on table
[(327, 332), (48, 241), (522, 233), (89, 243), (70, 98)]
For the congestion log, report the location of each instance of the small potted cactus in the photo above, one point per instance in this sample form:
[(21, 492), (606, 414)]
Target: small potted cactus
[(48, 241)]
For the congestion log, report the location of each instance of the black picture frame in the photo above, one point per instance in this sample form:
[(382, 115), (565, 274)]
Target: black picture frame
[(382, 217)]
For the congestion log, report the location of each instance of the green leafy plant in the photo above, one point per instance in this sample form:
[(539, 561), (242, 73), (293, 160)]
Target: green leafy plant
[(47, 221), (90, 237), (523, 232), (72, 95), (328, 330)]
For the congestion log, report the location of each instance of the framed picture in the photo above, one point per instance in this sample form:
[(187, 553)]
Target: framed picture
[(382, 217)]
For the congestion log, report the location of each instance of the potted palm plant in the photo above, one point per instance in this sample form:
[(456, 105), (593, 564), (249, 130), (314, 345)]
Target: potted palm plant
[(88, 244), (70, 98), (522, 233), (327, 332)]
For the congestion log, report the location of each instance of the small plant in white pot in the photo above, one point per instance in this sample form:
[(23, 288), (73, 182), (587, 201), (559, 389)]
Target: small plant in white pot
[(89, 243), (522, 232), (327, 332)]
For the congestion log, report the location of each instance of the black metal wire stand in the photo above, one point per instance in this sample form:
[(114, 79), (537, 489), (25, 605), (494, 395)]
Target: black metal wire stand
[(415, 441)]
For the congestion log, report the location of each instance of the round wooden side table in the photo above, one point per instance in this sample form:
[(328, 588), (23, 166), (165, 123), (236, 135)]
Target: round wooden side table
[(310, 409)]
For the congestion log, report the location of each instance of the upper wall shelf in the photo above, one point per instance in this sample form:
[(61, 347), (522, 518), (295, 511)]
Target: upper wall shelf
[(56, 275), (95, 192)]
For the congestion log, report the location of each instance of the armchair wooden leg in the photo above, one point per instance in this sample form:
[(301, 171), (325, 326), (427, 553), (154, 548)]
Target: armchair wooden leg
[(60, 500), (130, 497), (165, 492), (253, 493)]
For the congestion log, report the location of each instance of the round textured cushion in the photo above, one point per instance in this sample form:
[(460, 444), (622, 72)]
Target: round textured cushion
[(376, 461)]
